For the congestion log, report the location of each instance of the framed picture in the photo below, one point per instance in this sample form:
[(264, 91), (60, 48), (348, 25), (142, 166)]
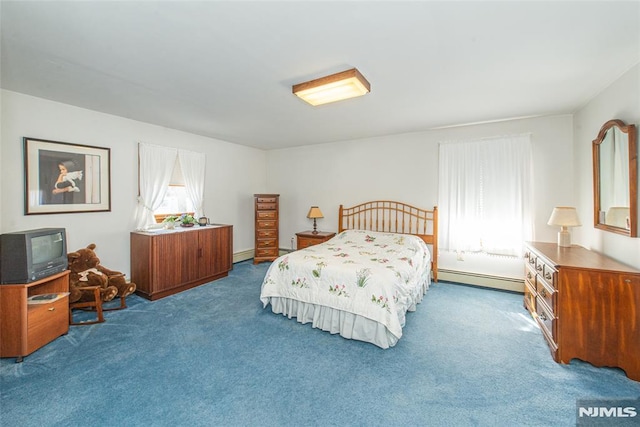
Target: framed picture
[(61, 177)]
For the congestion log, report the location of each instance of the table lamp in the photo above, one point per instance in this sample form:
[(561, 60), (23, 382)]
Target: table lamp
[(315, 213), (564, 216)]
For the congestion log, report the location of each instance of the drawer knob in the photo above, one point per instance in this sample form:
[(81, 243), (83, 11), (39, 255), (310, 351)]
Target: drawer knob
[(528, 275), (539, 268), (543, 293), (548, 276), (542, 316)]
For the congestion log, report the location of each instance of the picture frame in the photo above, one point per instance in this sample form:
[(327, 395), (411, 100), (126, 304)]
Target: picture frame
[(62, 177)]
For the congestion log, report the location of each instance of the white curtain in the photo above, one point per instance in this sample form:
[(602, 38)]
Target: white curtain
[(193, 167), (156, 165), (484, 198)]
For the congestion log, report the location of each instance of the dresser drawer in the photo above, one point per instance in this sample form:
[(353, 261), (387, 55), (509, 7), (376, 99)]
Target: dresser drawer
[(547, 323), (263, 234), (266, 243), (46, 322), (549, 275), (266, 214), (266, 252), (548, 295), (539, 266), (266, 206), (530, 274), (530, 296), (266, 199), (527, 255), (266, 224), (530, 260), (305, 243), (546, 319)]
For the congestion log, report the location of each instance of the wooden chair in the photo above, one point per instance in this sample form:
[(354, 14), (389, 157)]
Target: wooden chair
[(94, 305), (123, 301), (123, 304)]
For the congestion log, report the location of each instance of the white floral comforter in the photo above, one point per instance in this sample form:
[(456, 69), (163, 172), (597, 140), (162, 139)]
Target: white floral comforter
[(379, 276)]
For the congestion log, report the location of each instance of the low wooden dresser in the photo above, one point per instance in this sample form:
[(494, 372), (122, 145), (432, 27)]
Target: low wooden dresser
[(308, 238), (586, 304), (267, 229), (165, 262)]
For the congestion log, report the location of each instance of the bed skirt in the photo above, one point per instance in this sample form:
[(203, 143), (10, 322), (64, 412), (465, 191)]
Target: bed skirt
[(348, 325)]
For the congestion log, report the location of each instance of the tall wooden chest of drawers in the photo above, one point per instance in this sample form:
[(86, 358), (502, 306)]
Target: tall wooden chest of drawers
[(586, 304), (267, 229)]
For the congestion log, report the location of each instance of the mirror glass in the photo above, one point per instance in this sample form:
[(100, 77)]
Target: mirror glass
[(615, 178)]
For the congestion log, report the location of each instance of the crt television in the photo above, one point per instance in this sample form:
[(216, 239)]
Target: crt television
[(27, 256)]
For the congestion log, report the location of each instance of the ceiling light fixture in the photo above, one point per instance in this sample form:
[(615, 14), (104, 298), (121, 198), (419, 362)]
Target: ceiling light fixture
[(336, 87)]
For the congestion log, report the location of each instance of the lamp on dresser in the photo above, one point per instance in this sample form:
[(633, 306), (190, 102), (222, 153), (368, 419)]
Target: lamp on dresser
[(564, 217), (315, 213)]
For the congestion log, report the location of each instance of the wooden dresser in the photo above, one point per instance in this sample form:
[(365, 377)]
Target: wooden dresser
[(586, 304), (307, 238), (165, 262), (267, 229)]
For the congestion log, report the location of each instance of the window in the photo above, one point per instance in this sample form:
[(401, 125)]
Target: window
[(485, 195), (176, 201), (176, 172)]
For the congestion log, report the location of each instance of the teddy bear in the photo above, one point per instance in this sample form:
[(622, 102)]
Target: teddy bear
[(86, 270)]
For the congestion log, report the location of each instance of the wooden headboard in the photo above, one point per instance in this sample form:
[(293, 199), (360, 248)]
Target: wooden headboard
[(394, 217)]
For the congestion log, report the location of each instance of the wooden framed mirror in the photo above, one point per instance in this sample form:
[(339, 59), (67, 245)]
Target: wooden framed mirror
[(615, 179)]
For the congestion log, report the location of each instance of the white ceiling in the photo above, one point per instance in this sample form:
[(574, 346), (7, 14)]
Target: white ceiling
[(225, 69)]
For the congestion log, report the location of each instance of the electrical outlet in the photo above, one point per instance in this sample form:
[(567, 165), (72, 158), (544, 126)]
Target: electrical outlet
[(292, 244)]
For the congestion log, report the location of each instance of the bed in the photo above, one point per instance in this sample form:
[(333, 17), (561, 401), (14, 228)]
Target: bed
[(362, 282)]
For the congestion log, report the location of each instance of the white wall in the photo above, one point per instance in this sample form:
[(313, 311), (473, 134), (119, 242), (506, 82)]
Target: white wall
[(233, 174), (621, 100), (405, 168), (398, 167)]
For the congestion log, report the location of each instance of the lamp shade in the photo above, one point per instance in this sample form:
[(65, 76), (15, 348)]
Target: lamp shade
[(315, 212), (564, 216), (618, 216)]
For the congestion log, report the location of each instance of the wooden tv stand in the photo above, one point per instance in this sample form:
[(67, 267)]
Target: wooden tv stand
[(26, 327)]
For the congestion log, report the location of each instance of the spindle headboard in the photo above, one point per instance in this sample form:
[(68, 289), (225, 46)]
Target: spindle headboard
[(394, 217)]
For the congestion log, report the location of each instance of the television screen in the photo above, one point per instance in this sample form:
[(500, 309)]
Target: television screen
[(46, 248)]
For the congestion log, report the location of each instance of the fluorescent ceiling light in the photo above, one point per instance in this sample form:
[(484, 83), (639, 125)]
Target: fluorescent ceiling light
[(336, 87)]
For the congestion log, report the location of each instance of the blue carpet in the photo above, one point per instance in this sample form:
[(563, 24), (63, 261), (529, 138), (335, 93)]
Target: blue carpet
[(211, 356)]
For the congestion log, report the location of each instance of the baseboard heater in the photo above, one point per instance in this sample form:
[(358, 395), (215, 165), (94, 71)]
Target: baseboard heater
[(484, 280), (250, 253)]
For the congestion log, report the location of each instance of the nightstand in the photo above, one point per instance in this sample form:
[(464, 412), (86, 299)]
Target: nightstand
[(307, 238)]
